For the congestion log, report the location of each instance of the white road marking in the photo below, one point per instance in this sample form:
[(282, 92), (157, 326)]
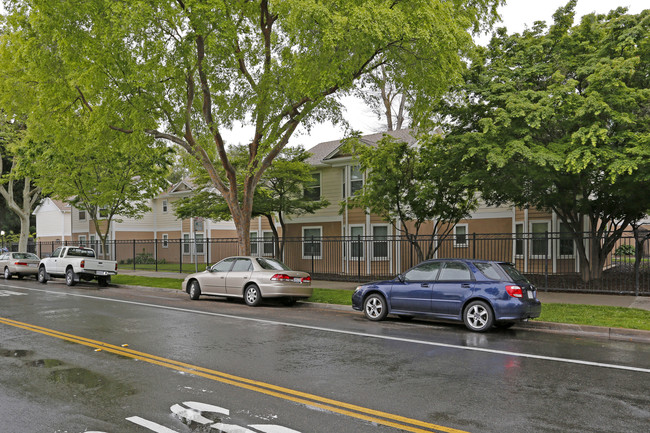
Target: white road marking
[(11, 292), (190, 414), (359, 334), (231, 428), (150, 425), (203, 407), (270, 428)]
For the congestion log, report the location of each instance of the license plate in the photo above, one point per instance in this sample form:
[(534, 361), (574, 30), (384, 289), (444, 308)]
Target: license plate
[(297, 280), (32, 265), (531, 294), (102, 273)]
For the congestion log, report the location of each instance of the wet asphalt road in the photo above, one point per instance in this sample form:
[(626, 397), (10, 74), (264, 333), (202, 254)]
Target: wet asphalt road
[(141, 360)]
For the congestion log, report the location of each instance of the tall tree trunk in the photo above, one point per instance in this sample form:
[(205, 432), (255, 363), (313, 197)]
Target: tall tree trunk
[(23, 210)]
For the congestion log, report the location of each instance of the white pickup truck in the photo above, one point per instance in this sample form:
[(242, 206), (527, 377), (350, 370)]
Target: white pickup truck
[(75, 264)]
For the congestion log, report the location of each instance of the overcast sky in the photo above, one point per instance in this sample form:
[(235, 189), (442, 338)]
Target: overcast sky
[(516, 16)]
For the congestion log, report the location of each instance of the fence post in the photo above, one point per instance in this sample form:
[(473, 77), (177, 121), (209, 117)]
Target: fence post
[(134, 254), (311, 249), (359, 258), (474, 245), (155, 252), (180, 255), (546, 261)]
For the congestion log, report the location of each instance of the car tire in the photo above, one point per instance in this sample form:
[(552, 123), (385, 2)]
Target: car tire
[(478, 316), (194, 290), (252, 295), (375, 308), (41, 277), (7, 274), (69, 277), (102, 281)]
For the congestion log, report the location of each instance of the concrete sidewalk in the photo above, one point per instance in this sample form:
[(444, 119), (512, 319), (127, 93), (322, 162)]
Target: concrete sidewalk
[(629, 301)]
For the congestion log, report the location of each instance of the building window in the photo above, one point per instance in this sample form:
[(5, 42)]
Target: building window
[(539, 239), (311, 243), (82, 240), (164, 206), (253, 243), (356, 179), (312, 189), (199, 247), (460, 235), (519, 239), (269, 245), (566, 241), (186, 244), (82, 215), (380, 242), (165, 240), (103, 212), (356, 235)]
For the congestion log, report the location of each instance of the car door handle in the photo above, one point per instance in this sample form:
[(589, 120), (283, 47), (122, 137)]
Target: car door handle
[(465, 286), (424, 285)]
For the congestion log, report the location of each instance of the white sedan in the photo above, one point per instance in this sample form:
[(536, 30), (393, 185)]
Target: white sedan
[(19, 264), (250, 278)]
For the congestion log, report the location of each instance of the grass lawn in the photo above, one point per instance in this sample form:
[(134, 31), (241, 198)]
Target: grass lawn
[(613, 317)]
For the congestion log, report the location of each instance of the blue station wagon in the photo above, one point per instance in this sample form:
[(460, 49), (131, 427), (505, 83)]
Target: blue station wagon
[(480, 293)]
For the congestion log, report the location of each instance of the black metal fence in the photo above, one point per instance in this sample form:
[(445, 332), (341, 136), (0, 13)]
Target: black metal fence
[(550, 260)]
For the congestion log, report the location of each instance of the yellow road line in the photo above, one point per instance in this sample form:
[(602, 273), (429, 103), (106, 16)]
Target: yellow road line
[(351, 410)]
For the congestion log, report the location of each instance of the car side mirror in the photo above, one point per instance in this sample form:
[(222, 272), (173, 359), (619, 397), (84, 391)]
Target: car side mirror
[(400, 277), (208, 268)]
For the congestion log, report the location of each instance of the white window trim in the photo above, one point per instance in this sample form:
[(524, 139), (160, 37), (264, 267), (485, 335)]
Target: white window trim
[(353, 239), (79, 213), (372, 250), (264, 242), (320, 184), (165, 240), (197, 242), (165, 206), (82, 240), (187, 246), (532, 239), (309, 257), (466, 244)]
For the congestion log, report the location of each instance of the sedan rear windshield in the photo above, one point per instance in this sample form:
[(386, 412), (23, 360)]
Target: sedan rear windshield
[(25, 256), (273, 265), (513, 273)]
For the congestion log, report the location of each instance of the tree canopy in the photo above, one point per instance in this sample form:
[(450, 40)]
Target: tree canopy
[(409, 185), (187, 70), (558, 118)]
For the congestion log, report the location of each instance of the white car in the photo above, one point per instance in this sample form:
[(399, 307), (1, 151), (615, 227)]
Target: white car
[(19, 264), (250, 278)]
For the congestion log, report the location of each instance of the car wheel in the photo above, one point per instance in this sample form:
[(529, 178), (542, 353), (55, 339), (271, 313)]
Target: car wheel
[(41, 275), (69, 277), (375, 308), (7, 274), (252, 295), (194, 290), (102, 281), (478, 316)]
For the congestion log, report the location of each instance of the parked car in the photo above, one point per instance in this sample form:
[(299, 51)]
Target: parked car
[(250, 278), (479, 293), (76, 264), (19, 264)]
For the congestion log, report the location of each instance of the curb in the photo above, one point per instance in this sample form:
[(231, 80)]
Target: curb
[(618, 334)]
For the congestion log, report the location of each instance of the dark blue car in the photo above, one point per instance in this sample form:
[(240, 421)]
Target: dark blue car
[(478, 292)]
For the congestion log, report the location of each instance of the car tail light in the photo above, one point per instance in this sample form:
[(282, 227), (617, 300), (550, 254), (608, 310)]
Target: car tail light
[(305, 280), (115, 266), (281, 277), (82, 264), (20, 263), (514, 291)]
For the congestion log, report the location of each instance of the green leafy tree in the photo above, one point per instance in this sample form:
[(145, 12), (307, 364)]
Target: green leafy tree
[(186, 70), (410, 185), (21, 204), (559, 119), (279, 193)]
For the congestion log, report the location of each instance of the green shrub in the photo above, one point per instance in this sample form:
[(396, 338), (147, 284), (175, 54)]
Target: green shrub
[(624, 250)]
